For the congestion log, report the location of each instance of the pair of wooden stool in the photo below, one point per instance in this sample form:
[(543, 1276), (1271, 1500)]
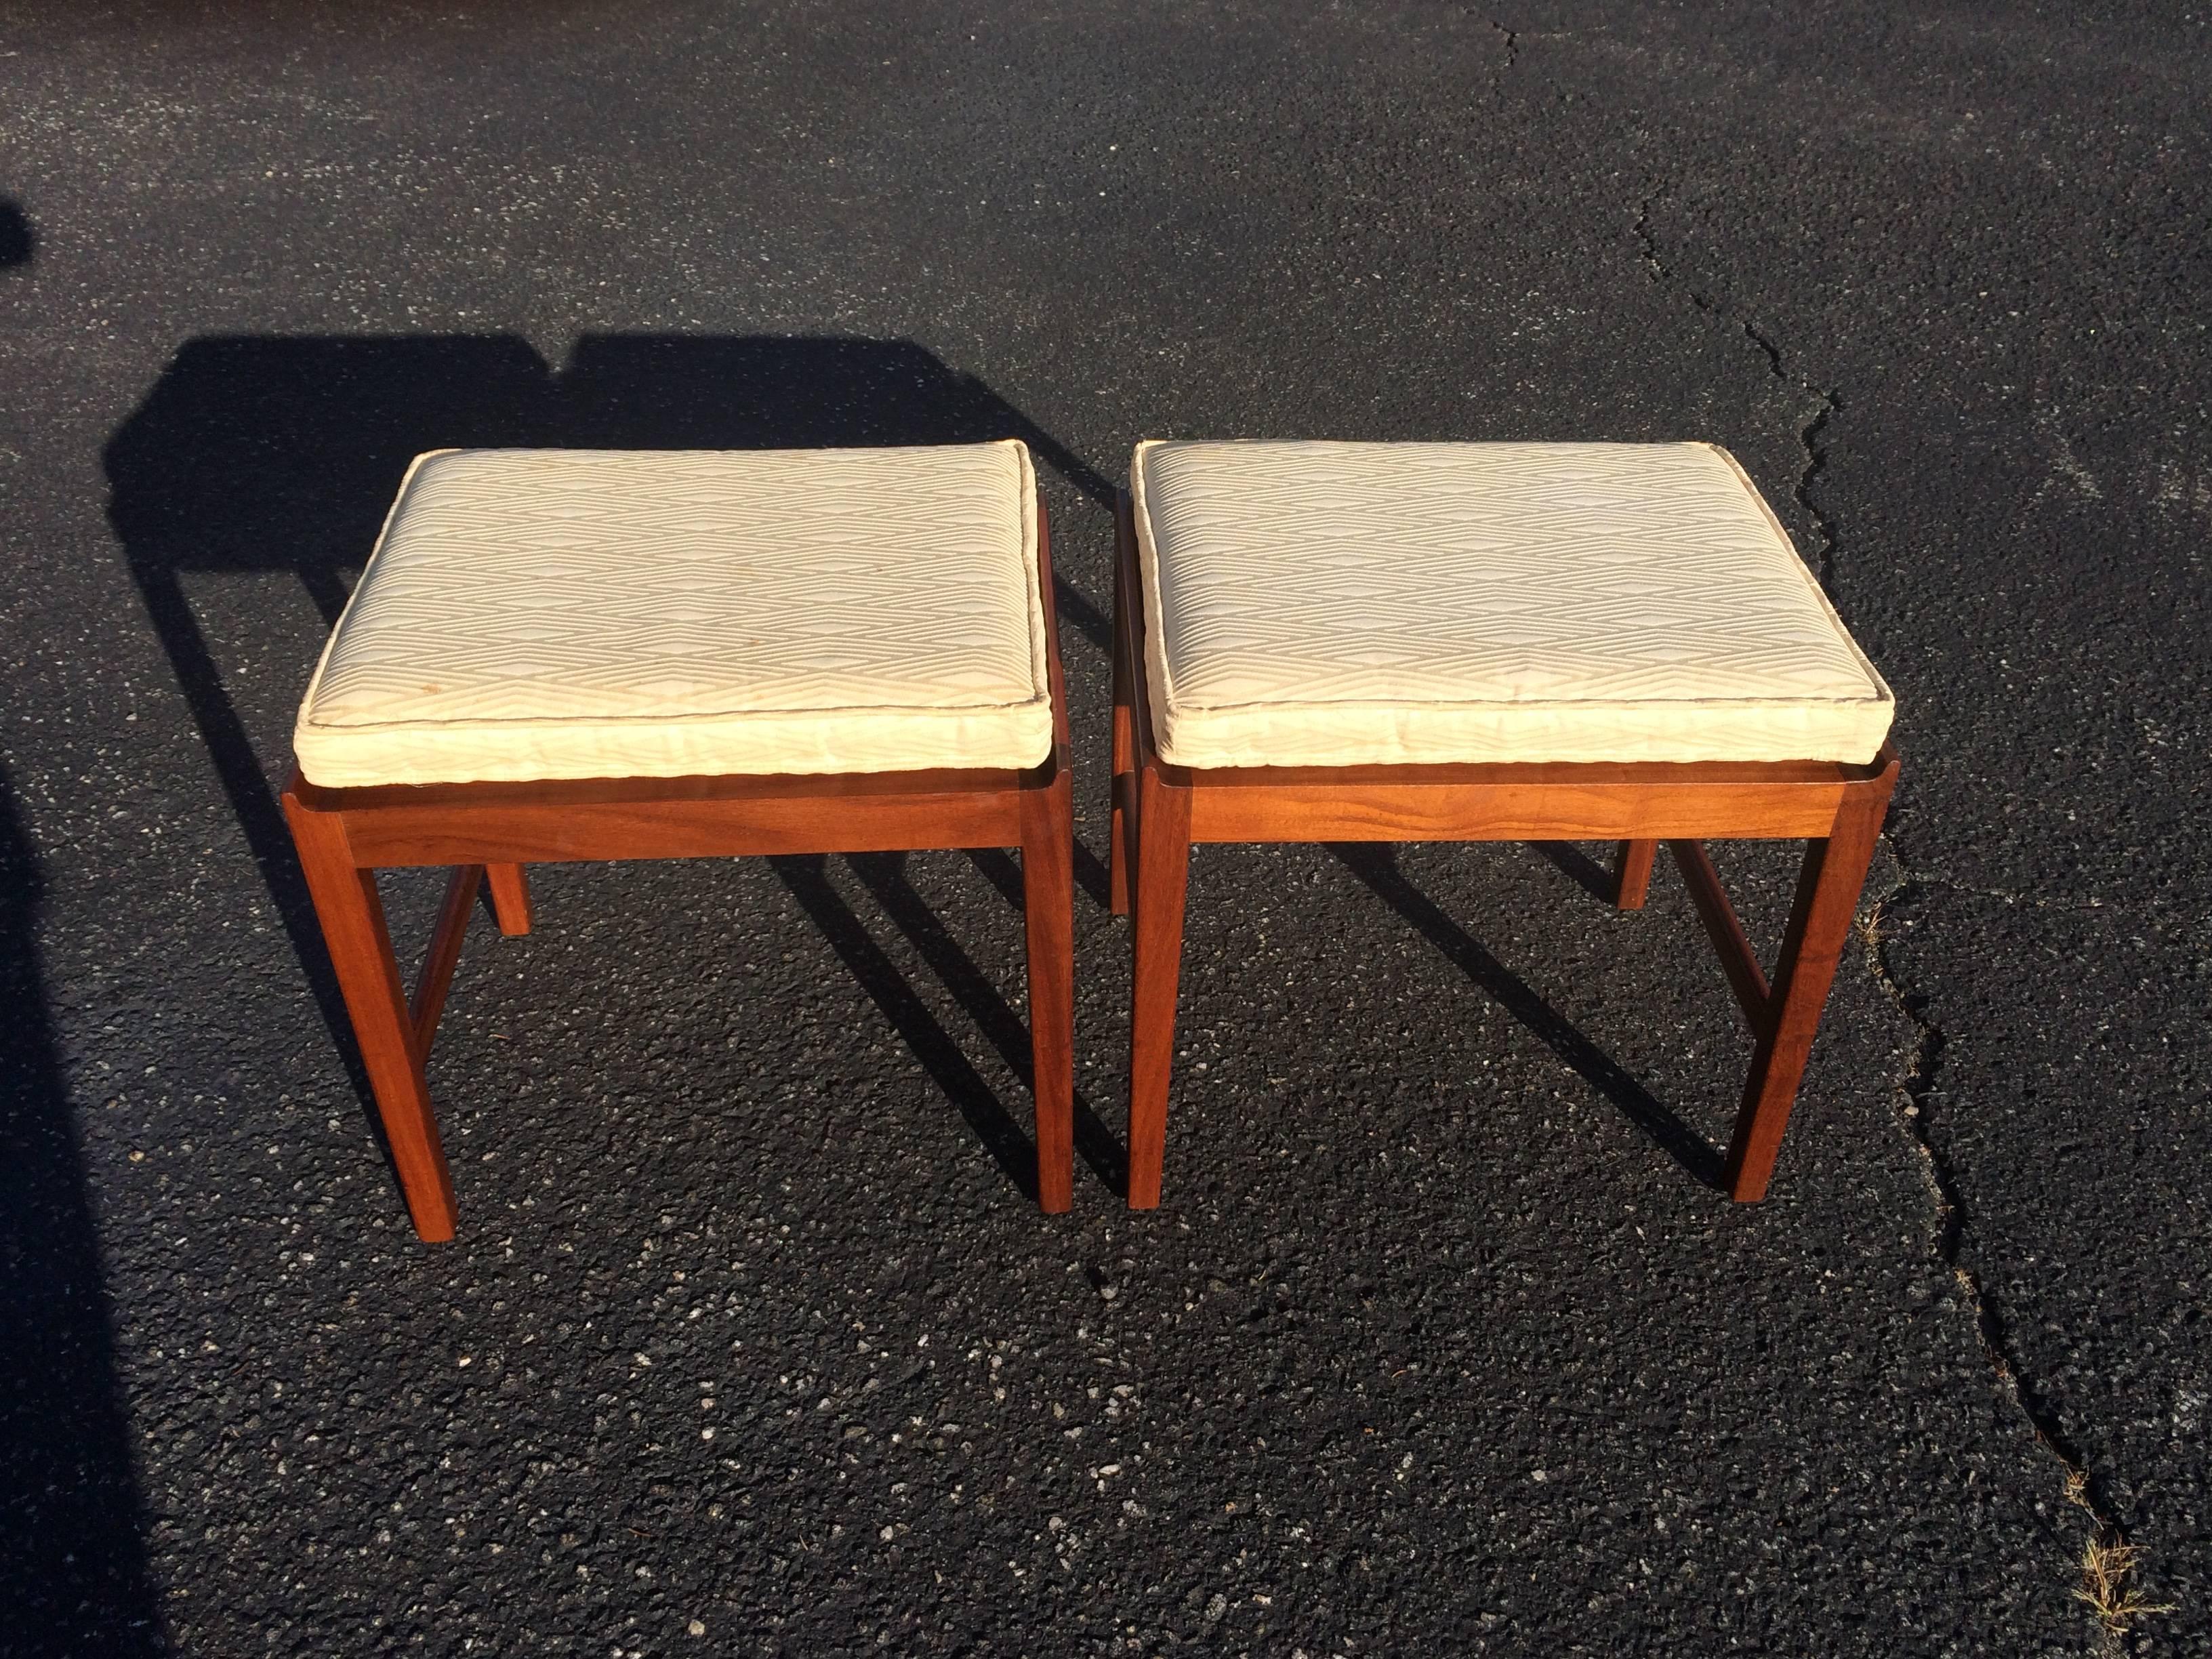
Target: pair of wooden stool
[(598, 654)]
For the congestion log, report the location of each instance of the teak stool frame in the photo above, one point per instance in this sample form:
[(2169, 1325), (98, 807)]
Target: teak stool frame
[(490, 831), (1161, 810)]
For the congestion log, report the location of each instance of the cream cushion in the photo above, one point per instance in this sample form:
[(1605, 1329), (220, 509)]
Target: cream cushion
[(1348, 604), (545, 613)]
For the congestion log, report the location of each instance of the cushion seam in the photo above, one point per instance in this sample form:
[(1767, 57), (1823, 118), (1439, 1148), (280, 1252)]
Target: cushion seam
[(1408, 703), (944, 711)]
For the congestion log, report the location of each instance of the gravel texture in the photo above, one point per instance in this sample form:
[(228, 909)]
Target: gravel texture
[(752, 1342)]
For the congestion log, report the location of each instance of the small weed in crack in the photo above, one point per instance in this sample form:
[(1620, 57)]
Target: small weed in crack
[(2106, 1570), (2108, 1562)]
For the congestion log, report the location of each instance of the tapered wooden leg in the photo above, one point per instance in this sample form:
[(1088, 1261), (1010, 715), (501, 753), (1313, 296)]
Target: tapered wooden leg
[(1632, 873), (510, 897), (1828, 884), (1049, 909), (352, 917), (1163, 881), (1118, 841)]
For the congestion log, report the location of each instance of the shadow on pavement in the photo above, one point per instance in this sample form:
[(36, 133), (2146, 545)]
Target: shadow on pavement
[(1578, 866), (261, 454), (18, 241), (1377, 867), (71, 1529)]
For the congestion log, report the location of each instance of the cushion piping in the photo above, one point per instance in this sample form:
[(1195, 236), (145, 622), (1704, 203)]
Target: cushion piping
[(1163, 685), (311, 733)]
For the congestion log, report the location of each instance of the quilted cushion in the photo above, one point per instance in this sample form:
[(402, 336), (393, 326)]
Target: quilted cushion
[(539, 614), (1346, 604)]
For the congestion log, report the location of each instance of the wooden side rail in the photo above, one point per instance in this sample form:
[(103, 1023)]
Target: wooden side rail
[(436, 978), (1739, 960)]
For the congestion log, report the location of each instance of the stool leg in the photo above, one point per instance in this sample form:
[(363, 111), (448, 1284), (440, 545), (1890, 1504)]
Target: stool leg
[(1632, 873), (510, 897), (1048, 913), (1118, 839), (1163, 881), (1828, 884), (352, 917)]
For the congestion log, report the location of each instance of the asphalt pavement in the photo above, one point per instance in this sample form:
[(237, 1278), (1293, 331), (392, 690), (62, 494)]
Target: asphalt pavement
[(1442, 1342)]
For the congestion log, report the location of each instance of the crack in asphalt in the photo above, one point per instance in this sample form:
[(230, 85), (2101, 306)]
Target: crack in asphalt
[(1917, 1086), (1812, 437), (2094, 905)]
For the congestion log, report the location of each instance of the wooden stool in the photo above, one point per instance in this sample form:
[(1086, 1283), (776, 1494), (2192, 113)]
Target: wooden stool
[(599, 655), (1384, 642)]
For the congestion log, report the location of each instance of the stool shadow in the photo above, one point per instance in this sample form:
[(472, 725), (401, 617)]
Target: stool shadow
[(999, 869), (1095, 1144), (884, 875), (261, 454), (1585, 871), (1376, 866)]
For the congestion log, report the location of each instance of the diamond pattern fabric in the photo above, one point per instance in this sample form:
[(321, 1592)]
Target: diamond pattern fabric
[(1349, 603), (542, 614)]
